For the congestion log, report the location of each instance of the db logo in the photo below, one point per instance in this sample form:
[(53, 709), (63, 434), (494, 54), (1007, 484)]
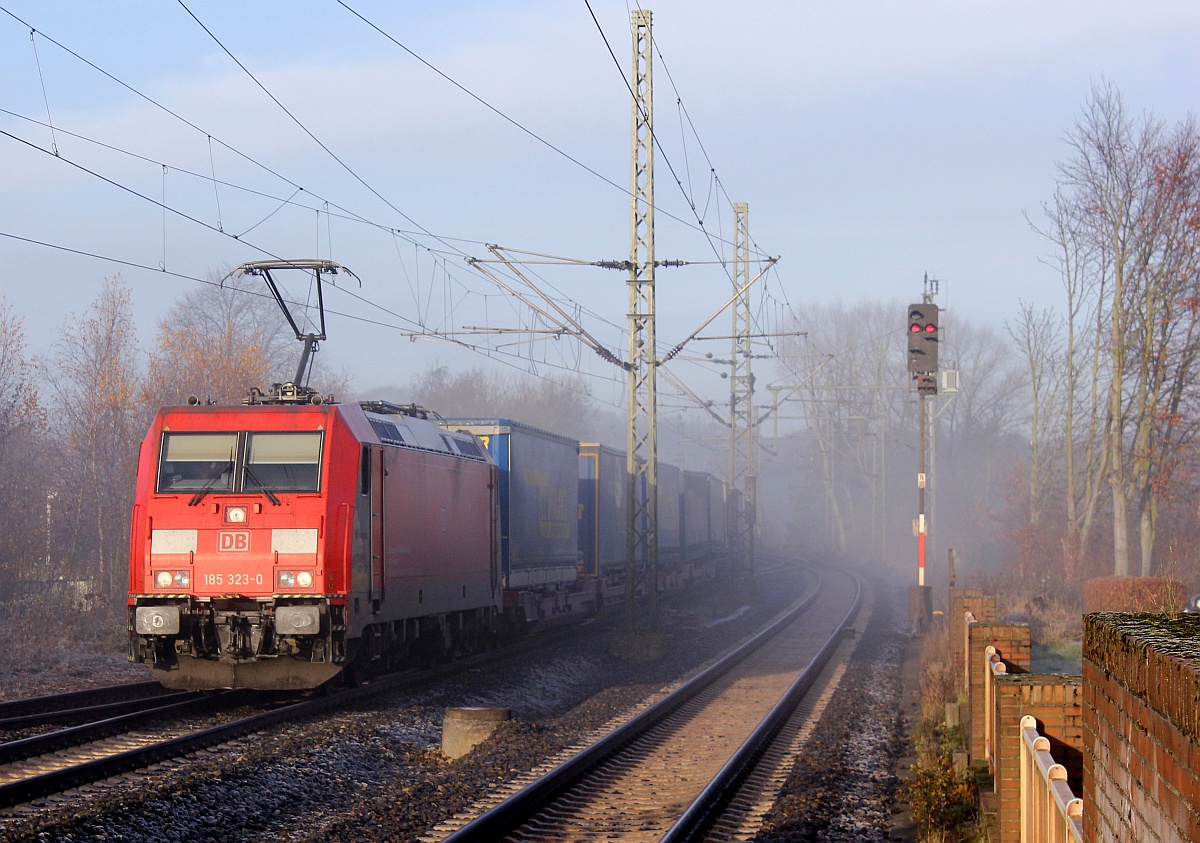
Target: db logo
[(238, 541)]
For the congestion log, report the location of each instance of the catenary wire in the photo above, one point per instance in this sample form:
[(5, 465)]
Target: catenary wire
[(510, 360), (509, 119), (300, 124), (210, 138), (218, 229)]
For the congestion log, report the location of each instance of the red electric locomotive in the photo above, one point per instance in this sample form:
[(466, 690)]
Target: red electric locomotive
[(275, 544)]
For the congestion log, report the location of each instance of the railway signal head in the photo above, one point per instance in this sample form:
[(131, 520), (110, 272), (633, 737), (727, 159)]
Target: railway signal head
[(923, 338)]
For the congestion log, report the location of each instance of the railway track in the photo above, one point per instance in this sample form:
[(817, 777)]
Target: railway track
[(39, 766), (132, 727), (34, 768), (84, 706), (162, 727), (668, 773)]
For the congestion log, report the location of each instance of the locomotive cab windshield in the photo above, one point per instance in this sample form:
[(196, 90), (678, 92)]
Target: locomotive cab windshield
[(248, 462)]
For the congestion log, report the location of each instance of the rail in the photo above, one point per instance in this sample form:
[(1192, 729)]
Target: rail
[(1050, 812), (702, 813), (31, 706), (78, 774), (501, 820)]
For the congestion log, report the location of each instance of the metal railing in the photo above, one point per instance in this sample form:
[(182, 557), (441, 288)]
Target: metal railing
[(1050, 812)]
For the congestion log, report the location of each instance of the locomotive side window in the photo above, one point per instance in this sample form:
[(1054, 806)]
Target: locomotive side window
[(283, 462), (467, 447), (387, 432), (364, 472), (197, 461)]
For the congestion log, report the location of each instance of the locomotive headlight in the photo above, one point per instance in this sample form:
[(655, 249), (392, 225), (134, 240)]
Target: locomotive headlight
[(297, 579), (169, 579), (235, 514)]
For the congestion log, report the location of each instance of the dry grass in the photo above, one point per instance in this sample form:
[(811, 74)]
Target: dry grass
[(1060, 622), (944, 802), (37, 631), (937, 675), (1053, 620)]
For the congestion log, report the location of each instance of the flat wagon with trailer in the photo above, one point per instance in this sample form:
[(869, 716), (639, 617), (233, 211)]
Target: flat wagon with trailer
[(539, 518), (670, 525), (718, 493), (603, 518), (698, 529)]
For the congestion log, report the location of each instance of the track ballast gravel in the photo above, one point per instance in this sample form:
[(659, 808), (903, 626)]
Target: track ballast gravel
[(377, 773)]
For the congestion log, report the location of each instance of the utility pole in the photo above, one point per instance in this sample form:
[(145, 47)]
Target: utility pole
[(931, 449), (923, 341), (642, 362), (922, 481), (948, 388), (50, 496), (642, 441), (742, 473)]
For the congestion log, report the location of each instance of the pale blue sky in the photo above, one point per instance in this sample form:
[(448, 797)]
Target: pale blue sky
[(873, 141)]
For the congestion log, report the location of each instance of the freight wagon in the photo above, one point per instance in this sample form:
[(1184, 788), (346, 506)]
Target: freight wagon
[(539, 517)]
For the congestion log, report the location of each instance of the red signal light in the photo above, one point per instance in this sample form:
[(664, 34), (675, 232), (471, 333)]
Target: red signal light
[(923, 338)]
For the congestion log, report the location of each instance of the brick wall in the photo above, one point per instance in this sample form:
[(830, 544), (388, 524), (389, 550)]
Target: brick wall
[(1011, 641), (964, 600), (1057, 704), (1141, 718)]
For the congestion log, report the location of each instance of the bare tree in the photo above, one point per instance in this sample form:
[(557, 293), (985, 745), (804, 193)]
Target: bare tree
[(988, 407), (1107, 177), (1037, 334), (93, 376), (1165, 330), (23, 474), (559, 405), (1124, 223), (855, 458), (1081, 264), (217, 342), (20, 408), (848, 375)]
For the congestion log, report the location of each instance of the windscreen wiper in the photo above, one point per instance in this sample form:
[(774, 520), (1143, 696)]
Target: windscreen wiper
[(262, 487), (207, 487)]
